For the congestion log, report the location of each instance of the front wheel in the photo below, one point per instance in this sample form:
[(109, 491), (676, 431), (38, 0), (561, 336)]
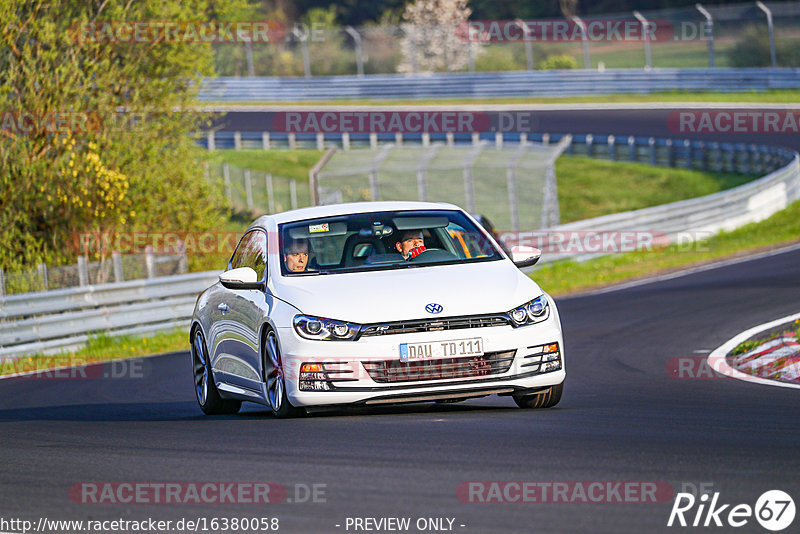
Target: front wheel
[(276, 384), (206, 391), (543, 399)]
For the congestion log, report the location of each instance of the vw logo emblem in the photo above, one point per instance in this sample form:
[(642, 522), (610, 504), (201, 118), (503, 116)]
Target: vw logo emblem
[(434, 308)]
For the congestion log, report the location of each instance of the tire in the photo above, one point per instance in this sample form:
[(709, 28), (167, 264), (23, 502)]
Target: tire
[(544, 399), (206, 391), (274, 378)]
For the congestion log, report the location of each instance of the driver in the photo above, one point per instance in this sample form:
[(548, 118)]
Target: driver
[(410, 244), (295, 255)]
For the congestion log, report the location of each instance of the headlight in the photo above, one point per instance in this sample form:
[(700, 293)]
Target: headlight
[(534, 311), (322, 329)]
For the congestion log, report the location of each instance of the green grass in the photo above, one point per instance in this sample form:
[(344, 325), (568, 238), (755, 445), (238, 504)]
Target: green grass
[(287, 163), (566, 276), (589, 187), (100, 348), (789, 96)]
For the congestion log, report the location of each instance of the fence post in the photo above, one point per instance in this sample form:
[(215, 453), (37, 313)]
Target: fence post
[(589, 145), (292, 141), (42, 268), (652, 143), (422, 184), (688, 151), (373, 140), (469, 189), (265, 144), (632, 147), (248, 51), (211, 143), (359, 53), (398, 138), (670, 154), (116, 264), (612, 148), (303, 38), (320, 141), (237, 140), (648, 56), (2, 282), (248, 189), (450, 138), (426, 139), (270, 194), (345, 141), (476, 138), (511, 184), (709, 33), (523, 138), (83, 272), (545, 139), (587, 60), (293, 193), (768, 13), (528, 44), (150, 261), (226, 176), (498, 140)]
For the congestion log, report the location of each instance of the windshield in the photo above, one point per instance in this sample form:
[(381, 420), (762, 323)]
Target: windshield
[(381, 240)]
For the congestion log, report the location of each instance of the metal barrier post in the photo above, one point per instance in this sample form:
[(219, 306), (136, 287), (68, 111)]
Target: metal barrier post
[(303, 38), (237, 140), (265, 144), (116, 263), (83, 271), (612, 148), (2, 282), (226, 177), (632, 147), (42, 268), (589, 145), (652, 143), (293, 193), (150, 261), (210, 144), (670, 154)]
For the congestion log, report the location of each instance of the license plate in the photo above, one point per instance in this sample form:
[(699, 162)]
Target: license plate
[(410, 352)]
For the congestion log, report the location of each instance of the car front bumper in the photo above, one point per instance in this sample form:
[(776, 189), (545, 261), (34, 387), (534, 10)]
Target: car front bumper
[(346, 365)]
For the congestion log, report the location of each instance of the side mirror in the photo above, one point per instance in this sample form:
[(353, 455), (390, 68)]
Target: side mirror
[(241, 278), (523, 256)]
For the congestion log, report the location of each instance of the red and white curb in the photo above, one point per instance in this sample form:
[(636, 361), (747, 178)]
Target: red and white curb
[(718, 362)]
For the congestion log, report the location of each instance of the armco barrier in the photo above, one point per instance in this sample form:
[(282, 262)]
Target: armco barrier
[(63, 319), (726, 210), (494, 84)]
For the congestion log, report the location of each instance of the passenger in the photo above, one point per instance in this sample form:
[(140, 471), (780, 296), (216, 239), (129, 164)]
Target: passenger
[(410, 244), (295, 255)]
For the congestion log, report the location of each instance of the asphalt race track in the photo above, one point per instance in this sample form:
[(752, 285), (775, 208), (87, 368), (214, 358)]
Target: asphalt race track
[(623, 418)]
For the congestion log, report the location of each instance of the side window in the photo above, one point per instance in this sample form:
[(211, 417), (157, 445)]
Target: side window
[(251, 252)]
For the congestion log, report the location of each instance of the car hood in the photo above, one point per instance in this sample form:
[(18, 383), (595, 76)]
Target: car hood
[(402, 294)]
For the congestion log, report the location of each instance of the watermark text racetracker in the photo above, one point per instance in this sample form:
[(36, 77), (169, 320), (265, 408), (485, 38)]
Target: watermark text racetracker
[(572, 491), (204, 492)]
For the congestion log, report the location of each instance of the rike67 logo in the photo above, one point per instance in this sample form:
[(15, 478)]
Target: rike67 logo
[(774, 510)]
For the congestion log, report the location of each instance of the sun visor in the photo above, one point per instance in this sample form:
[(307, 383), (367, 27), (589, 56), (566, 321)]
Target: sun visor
[(419, 223)]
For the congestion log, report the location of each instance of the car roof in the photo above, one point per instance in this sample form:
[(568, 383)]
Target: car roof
[(332, 210)]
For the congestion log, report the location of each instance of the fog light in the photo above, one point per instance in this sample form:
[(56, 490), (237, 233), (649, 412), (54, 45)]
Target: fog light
[(551, 366), (313, 378)]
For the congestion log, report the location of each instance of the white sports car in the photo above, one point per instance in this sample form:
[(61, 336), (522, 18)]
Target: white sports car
[(374, 303)]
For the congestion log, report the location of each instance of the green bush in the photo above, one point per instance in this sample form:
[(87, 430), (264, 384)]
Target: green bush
[(752, 50), (558, 62)]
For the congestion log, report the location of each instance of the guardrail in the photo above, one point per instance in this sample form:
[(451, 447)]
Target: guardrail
[(63, 319), (494, 84)]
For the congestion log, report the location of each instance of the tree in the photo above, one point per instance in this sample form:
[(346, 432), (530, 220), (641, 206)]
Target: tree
[(431, 39), (122, 158)]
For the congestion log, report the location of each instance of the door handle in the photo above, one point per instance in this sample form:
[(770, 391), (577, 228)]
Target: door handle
[(223, 308)]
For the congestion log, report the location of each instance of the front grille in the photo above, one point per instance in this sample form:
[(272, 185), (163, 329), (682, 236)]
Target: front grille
[(491, 363), (434, 325)]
